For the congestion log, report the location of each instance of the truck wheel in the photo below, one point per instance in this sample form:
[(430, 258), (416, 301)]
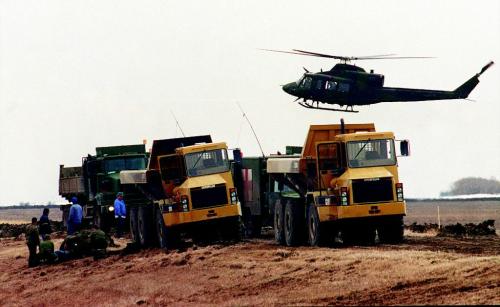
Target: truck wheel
[(167, 238), (231, 230), (367, 235), (358, 233), (391, 230), (134, 231), (315, 235), (98, 220), (256, 227), (279, 234), (292, 223), (144, 226)]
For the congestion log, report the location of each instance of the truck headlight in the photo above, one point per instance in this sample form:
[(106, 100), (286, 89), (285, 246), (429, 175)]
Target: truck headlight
[(399, 191), (184, 203), (233, 195), (344, 197)]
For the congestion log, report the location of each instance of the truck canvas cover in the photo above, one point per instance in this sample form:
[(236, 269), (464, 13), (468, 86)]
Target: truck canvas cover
[(120, 150)]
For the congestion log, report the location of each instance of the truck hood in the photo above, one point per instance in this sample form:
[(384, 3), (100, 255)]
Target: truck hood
[(366, 172), (196, 182)]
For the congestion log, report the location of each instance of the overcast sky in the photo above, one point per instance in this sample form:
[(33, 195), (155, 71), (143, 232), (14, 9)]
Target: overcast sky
[(79, 74)]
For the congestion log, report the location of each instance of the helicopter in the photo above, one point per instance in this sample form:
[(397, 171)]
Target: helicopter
[(350, 85)]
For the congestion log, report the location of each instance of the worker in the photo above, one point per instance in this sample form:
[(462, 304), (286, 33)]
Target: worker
[(47, 254), (84, 243), (120, 213), (73, 246), (44, 224), (33, 241), (98, 243), (75, 216)]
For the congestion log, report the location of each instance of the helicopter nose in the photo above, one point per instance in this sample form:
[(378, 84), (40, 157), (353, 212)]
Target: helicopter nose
[(290, 88)]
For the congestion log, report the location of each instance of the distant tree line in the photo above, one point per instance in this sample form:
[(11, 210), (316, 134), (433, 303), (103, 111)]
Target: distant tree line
[(473, 185), (27, 205)]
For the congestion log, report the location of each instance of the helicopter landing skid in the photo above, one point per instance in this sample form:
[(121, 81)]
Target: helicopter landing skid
[(310, 106)]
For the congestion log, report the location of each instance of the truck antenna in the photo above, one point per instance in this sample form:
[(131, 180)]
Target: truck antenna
[(177, 122), (251, 127)]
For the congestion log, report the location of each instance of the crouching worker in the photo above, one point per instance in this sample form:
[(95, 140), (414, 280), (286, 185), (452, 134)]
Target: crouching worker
[(72, 247), (98, 243), (47, 254), (84, 243)]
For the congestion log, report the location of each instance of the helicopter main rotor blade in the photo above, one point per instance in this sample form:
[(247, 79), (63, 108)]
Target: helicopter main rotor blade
[(281, 51), (390, 56), (366, 57), (395, 58)]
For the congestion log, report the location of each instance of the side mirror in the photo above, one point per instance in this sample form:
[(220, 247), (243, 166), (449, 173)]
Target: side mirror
[(404, 147)]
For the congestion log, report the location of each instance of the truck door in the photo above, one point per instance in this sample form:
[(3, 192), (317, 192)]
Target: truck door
[(328, 163)]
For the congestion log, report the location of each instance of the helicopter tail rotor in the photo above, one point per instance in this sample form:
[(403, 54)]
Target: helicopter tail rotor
[(464, 90)]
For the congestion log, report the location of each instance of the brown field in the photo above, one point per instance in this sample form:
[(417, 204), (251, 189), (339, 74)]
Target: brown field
[(424, 270), (452, 212), (21, 216), (421, 212)]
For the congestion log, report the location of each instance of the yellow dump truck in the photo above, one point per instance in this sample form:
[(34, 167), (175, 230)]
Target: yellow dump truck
[(188, 188), (343, 186)]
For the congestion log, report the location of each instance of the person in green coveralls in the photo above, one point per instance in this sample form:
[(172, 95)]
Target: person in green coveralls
[(47, 254), (33, 241)]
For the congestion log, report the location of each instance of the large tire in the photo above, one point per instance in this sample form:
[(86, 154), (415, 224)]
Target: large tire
[(98, 219), (134, 230), (391, 230), (256, 226), (167, 238), (315, 235), (231, 229), (292, 222), (144, 223), (279, 233)]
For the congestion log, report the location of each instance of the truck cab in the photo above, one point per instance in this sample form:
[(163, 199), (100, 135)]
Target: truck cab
[(97, 181)]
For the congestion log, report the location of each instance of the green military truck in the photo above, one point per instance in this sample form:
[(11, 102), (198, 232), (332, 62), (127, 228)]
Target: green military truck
[(97, 181)]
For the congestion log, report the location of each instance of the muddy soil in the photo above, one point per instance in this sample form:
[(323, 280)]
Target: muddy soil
[(425, 269)]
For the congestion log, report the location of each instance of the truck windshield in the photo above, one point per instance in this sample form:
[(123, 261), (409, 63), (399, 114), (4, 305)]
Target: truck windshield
[(207, 162), (119, 164), (371, 153)]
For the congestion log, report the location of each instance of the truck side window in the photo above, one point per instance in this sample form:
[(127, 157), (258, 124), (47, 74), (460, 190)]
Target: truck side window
[(328, 156)]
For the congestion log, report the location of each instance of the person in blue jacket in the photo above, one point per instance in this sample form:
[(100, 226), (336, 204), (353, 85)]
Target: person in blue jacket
[(75, 216), (120, 213)]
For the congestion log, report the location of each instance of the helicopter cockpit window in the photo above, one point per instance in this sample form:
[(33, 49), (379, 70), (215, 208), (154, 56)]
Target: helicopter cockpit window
[(306, 83), (344, 87), (319, 84), (331, 85)]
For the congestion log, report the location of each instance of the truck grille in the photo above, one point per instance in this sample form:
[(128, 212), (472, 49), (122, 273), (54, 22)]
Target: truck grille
[(209, 197), (367, 191)]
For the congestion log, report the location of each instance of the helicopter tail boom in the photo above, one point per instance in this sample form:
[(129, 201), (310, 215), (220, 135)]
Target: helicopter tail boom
[(464, 90)]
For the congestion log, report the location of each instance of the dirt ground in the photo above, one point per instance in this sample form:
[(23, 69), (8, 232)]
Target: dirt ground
[(423, 270)]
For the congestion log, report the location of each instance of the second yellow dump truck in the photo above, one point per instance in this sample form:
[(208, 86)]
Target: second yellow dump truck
[(188, 188), (343, 185)]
